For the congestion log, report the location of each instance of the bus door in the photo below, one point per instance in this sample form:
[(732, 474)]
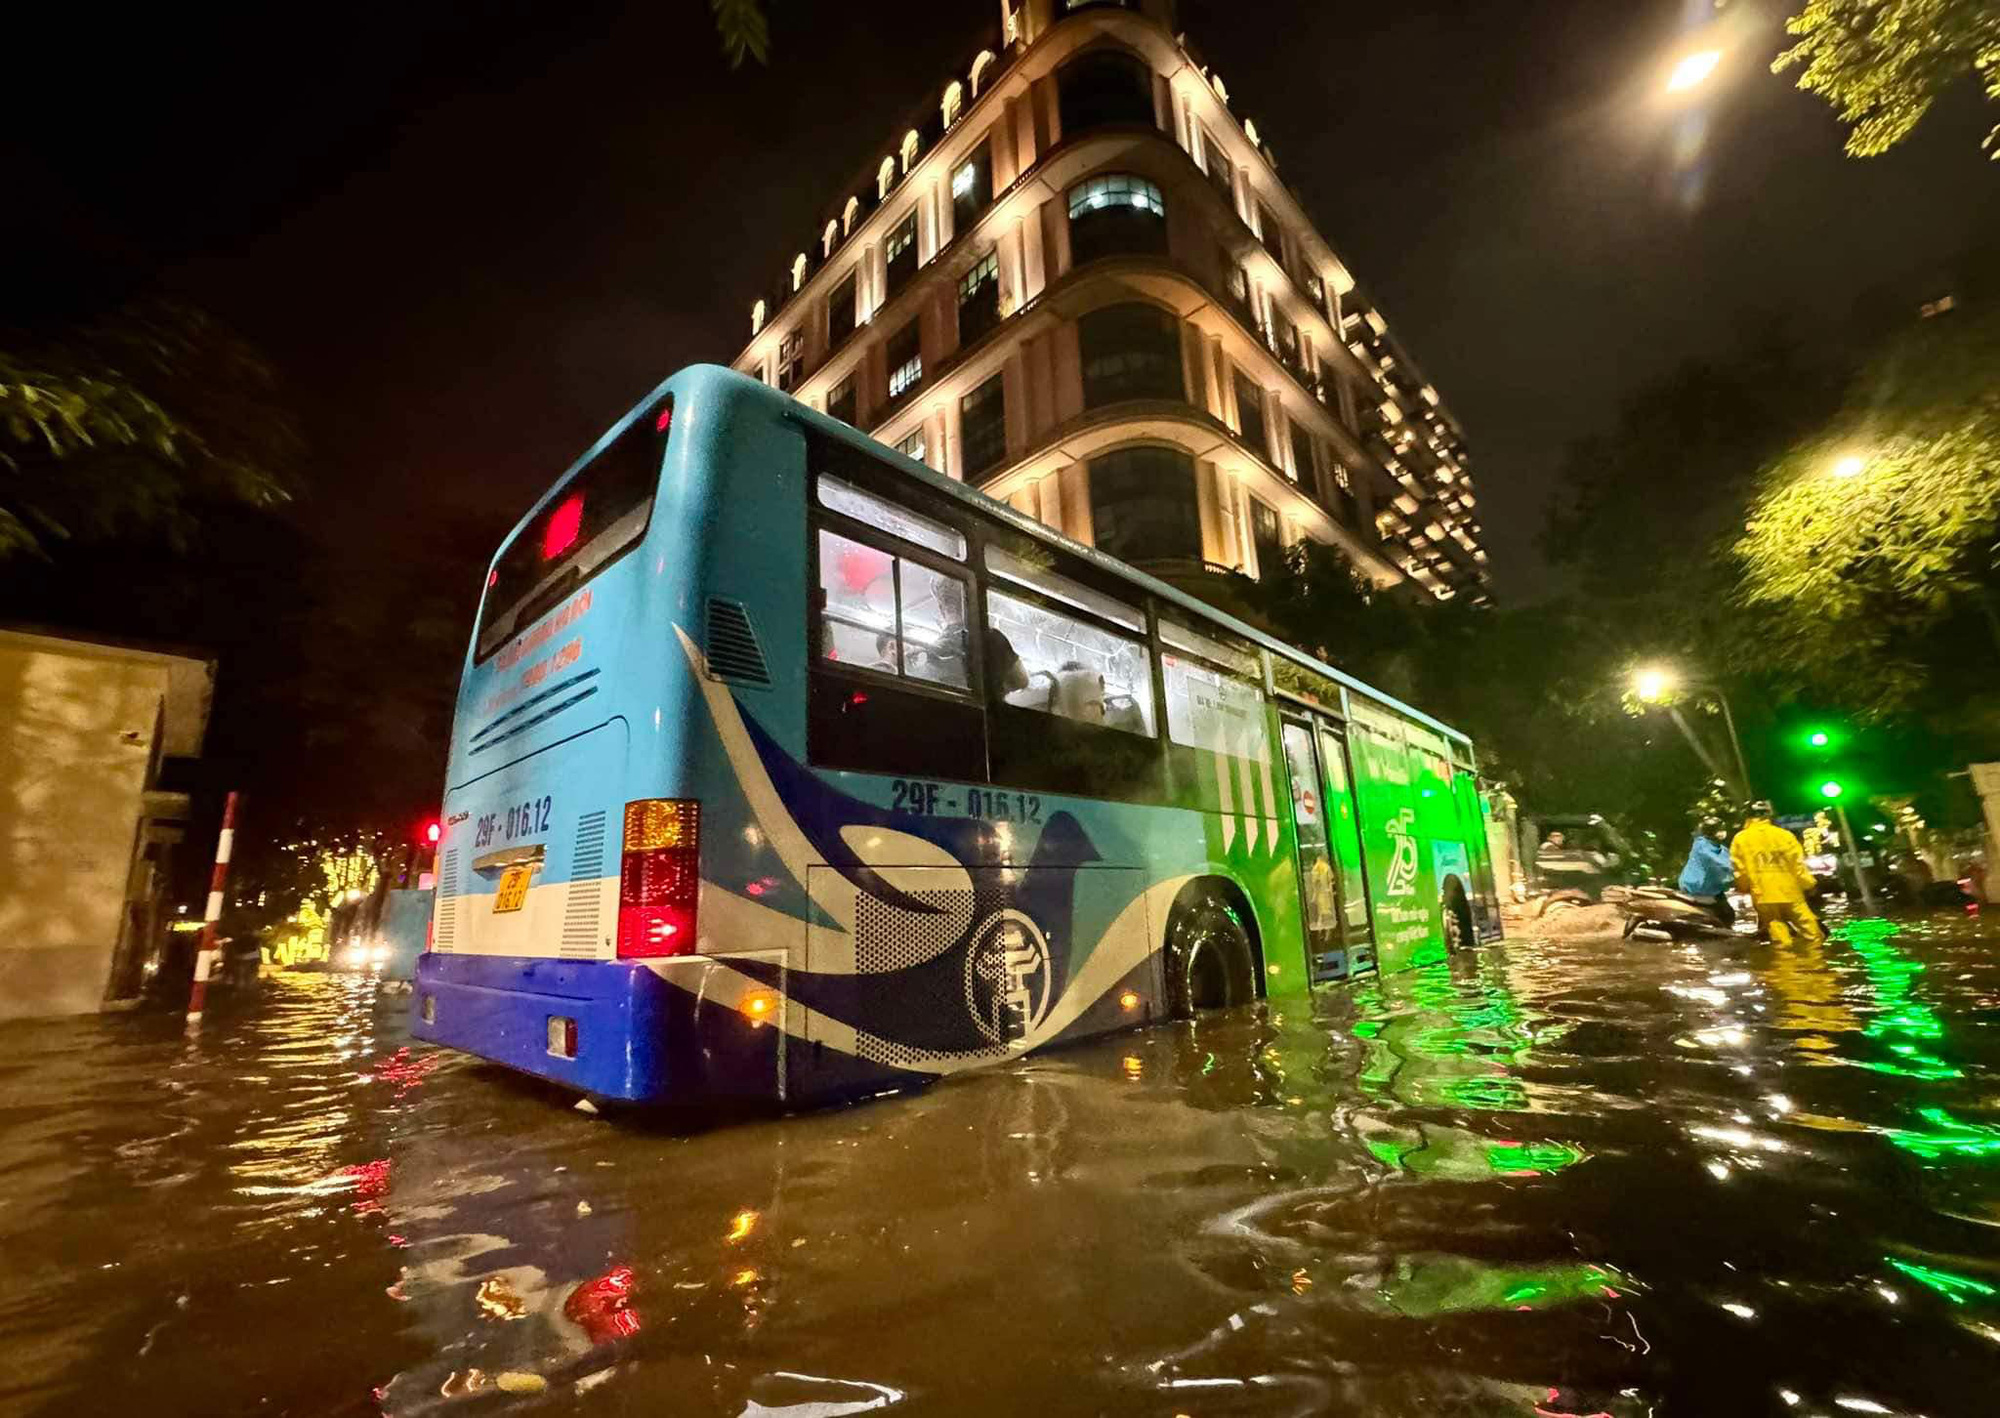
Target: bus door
[(1343, 821), (1328, 953)]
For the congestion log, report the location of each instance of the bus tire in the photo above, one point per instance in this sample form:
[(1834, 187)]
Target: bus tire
[(1459, 933), (1208, 955)]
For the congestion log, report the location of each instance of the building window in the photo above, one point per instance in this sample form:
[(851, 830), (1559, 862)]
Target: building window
[(1238, 282), (1115, 214), (828, 237), (906, 362), (840, 402), (900, 252), (798, 270), (954, 102), (791, 360), (982, 428), (1142, 505), (1270, 233), (1130, 351), (757, 317), (1288, 338), (979, 299), (1268, 538), (848, 215), (914, 447), (979, 64), (971, 188), (1104, 87), (1302, 455), (1221, 172), (840, 313), (912, 144), (1250, 415)]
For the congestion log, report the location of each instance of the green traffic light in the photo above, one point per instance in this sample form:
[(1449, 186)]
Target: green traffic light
[(1818, 738), (1830, 789)]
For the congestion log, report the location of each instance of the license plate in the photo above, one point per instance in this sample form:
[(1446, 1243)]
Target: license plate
[(513, 888)]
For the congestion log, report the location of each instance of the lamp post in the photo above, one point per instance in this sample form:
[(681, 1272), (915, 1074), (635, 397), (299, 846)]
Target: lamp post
[(1653, 683)]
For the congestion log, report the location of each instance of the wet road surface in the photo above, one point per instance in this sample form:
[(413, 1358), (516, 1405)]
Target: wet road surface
[(1571, 1176)]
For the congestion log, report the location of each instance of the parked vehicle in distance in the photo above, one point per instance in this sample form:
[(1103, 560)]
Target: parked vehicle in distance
[(785, 768)]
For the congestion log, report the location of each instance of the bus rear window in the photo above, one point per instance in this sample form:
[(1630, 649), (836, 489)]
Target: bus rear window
[(597, 514)]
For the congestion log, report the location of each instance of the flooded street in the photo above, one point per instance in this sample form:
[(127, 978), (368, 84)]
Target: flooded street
[(1574, 1176)]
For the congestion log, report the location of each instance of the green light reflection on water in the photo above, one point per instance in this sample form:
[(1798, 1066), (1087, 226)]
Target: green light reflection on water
[(1901, 1016), (1948, 1283)]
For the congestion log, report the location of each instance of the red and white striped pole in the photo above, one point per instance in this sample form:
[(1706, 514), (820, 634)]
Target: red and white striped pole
[(205, 954)]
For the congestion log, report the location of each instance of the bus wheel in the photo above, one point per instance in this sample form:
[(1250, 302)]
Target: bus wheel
[(1208, 957), (1458, 931)]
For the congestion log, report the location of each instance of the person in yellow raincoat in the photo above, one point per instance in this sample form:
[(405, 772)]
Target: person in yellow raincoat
[(1771, 865)]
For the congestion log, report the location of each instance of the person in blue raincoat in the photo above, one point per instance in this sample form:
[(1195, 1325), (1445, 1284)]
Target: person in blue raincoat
[(1709, 873)]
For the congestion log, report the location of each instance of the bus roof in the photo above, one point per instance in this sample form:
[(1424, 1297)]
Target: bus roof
[(743, 386)]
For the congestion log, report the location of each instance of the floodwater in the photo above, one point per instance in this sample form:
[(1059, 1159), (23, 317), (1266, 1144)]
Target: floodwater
[(1573, 1176)]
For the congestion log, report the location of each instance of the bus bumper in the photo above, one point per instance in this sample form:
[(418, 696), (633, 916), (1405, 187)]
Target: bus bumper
[(501, 1008)]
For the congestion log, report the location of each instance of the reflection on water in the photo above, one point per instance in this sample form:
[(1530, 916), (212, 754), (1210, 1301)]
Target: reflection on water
[(1565, 1177)]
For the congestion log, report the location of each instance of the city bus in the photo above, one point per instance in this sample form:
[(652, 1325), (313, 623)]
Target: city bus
[(786, 769)]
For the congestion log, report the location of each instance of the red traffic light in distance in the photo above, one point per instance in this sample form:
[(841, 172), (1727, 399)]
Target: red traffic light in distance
[(431, 832)]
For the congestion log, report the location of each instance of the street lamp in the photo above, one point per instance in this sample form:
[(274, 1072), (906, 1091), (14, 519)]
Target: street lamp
[(1692, 69), (1651, 684)]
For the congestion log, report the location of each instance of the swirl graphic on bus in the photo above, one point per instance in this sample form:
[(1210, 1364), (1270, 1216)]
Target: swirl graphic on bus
[(1402, 874)]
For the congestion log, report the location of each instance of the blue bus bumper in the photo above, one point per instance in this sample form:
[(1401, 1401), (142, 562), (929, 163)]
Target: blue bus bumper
[(499, 1008)]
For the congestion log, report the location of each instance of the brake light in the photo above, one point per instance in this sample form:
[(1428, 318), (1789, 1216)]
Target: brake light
[(559, 533), (659, 878)]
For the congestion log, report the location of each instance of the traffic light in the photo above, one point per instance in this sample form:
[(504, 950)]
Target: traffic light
[(430, 833), (1831, 789), (1818, 738)]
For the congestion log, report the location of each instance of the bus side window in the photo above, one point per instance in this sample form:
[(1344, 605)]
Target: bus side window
[(1072, 704)]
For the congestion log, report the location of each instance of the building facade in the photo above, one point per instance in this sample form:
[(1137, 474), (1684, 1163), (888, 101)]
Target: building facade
[(87, 824), (1077, 282)]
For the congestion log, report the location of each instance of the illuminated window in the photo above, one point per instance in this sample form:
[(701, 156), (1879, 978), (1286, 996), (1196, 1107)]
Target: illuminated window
[(848, 214), (979, 299), (900, 252), (1115, 214), (798, 270), (979, 68), (906, 362), (971, 188), (911, 144), (757, 317), (914, 446), (885, 177), (828, 237), (982, 428), (954, 102)]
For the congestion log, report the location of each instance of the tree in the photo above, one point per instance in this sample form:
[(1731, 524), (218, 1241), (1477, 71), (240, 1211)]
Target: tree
[(1883, 63), (743, 28), (129, 423), (1869, 555)]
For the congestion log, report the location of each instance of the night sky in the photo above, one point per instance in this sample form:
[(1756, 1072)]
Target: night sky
[(470, 236)]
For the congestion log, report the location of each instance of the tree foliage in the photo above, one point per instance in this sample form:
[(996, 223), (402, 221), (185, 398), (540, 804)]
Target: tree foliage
[(1855, 577), (744, 29), (1882, 63), (131, 422)]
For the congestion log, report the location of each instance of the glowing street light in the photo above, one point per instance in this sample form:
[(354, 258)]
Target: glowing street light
[(1653, 684), (1692, 69), (1850, 466)]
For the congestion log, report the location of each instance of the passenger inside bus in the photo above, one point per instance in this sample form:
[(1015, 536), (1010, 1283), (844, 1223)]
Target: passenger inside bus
[(1068, 667)]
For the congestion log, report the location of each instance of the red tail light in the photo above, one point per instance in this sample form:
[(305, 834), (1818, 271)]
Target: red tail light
[(659, 878)]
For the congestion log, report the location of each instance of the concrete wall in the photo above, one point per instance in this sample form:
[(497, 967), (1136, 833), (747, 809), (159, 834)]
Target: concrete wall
[(81, 730)]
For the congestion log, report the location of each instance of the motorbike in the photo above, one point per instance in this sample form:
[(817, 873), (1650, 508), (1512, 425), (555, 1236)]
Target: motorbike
[(1657, 912)]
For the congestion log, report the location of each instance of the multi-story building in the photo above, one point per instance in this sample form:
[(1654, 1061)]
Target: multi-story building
[(1077, 282)]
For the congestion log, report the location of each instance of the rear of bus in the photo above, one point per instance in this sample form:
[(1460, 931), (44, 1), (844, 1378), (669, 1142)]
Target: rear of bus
[(567, 860)]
